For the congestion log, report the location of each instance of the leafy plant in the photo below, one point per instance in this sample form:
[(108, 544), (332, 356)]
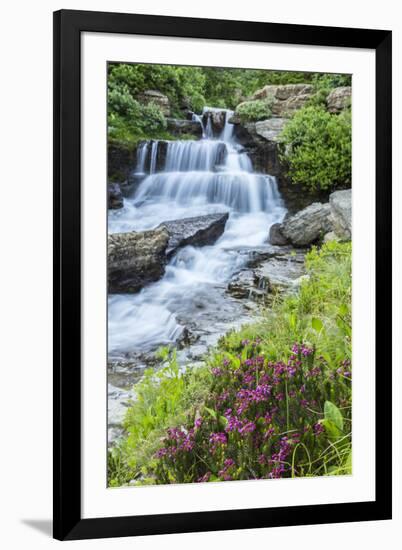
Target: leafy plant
[(252, 111), (316, 148)]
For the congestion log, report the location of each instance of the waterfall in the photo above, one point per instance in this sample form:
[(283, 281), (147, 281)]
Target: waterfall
[(154, 156), (142, 154), (213, 174)]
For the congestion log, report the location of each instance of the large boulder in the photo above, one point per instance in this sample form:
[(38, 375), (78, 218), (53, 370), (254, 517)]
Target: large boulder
[(271, 128), (197, 231), (341, 213), (339, 98), (286, 98), (156, 97), (309, 225), (136, 259)]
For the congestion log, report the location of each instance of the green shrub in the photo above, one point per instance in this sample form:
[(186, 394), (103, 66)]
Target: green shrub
[(252, 111), (130, 121), (316, 147)]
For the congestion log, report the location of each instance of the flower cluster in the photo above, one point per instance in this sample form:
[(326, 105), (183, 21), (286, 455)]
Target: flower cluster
[(260, 415)]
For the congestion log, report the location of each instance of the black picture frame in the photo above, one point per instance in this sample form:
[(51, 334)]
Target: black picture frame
[(68, 26)]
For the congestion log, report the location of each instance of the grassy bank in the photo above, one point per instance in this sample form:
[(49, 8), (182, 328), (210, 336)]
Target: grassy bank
[(271, 400)]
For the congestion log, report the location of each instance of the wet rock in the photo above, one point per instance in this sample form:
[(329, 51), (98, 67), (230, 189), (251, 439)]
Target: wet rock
[(157, 98), (242, 284), (121, 160), (257, 255), (179, 127), (197, 231), (136, 259), (339, 98), (217, 119), (277, 274), (341, 213), (264, 153), (280, 274), (115, 197), (276, 236), (307, 226)]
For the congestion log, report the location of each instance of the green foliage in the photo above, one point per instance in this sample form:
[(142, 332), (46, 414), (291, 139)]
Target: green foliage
[(130, 121), (192, 88), (252, 111), (182, 85), (162, 397), (324, 83), (316, 146), (319, 315)]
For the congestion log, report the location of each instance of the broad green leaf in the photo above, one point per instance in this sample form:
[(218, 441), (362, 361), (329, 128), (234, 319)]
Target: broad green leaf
[(332, 430), (332, 413), (317, 324)]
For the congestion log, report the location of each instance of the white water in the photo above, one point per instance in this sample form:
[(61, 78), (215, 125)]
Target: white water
[(200, 177)]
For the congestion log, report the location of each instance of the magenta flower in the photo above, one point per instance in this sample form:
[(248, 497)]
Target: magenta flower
[(318, 428)]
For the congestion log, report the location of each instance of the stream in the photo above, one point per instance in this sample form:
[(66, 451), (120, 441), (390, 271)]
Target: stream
[(190, 304)]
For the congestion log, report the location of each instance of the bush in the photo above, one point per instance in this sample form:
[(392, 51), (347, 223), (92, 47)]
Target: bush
[(273, 400), (252, 111), (316, 147), (130, 121)]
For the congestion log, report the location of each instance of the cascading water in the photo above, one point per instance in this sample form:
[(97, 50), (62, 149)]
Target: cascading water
[(213, 174)]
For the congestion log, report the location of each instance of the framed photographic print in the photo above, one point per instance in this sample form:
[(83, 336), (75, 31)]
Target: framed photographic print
[(210, 178)]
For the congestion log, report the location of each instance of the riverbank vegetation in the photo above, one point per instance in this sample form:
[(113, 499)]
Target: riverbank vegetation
[(271, 400)]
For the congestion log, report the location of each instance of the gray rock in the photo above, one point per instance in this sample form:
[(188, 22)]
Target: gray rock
[(136, 259), (287, 98), (271, 128), (339, 98), (276, 236), (281, 273), (156, 97), (217, 119), (331, 236), (341, 213), (308, 225), (115, 196), (242, 284), (178, 127), (197, 231)]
